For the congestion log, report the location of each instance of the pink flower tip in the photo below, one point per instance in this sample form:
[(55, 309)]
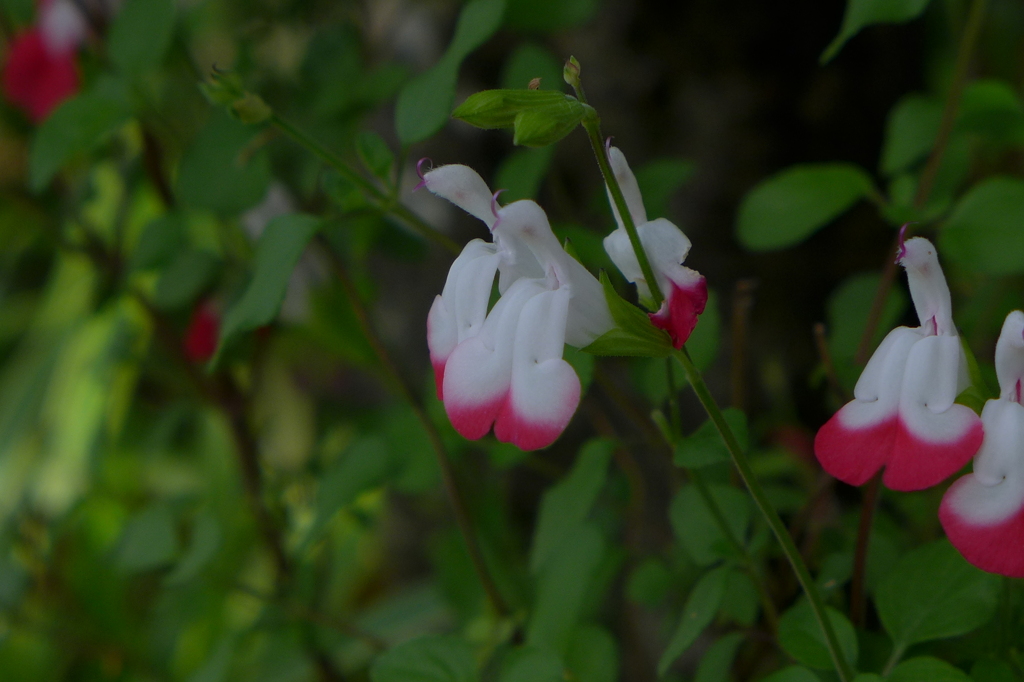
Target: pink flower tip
[(36, 80), (419, 171), (678, 314), (200, 342), (901, 252)]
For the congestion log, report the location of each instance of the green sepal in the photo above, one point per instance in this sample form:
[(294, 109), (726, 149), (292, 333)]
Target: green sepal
[(633, 335), (975, 395), (539, 117)]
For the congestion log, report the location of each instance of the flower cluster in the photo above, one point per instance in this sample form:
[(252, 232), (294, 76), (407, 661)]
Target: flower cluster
[(504, 367), (903, 416), (41, 72)]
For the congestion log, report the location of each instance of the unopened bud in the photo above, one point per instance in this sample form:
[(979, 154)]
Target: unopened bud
[(571, 72), (534, 84), (251, 109)]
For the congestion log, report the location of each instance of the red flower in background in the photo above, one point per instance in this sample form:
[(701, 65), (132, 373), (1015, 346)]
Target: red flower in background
[(41, 72), (201, 335)]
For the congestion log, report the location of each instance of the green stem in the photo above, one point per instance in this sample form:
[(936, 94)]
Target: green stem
[(592, 124), (379, 199), (789, 548)]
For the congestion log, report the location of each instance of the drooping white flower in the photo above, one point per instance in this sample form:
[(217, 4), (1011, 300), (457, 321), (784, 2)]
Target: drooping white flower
[(903, 415), (666, 247), (983, 512), (503, 368)]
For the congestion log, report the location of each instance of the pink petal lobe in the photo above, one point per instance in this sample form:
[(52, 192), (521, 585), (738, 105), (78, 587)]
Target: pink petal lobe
[(36, 80), (678, 314), (994, 546), (854, 453), (920, 463)]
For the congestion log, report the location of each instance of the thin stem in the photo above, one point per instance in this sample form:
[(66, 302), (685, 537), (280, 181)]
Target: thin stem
[(869, 502), (592, 124), (380, 199), (771, 516), (399, 384)]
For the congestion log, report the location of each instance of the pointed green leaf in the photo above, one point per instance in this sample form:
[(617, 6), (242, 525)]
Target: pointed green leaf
[(633, 335), (431, 658), (140, 35), (701, 606), (801, 637), (984, 232), (491, 109), (861, 13), (716, 663), (927, 669)]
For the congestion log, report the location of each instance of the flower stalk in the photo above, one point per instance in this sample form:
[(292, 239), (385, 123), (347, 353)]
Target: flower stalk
[(789, 548)]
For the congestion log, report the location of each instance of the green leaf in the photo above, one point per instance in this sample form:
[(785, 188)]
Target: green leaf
[(490, 109), (148, 541), (701, 606), (567, 504), (375, 154), (696, 528), (75, 128), (633, 335), (741, 601), (562, 587), (861, 13), (927, 669), (592, 655), (522, 172), (983, 234), (432, 658), (705, 446), (649, 583), (932, 593), (530, 61), (277, 252), (366, 464), (801, 637), (659, 180), (206, 540), (424, 103), (532, 664), (794, 673), (715, 665), (992, 670), (910, 132), (790, 206), (541, 126), (868, 677), (140, 35), (219, 171), (160, 241), (993, 109), (184, 279)]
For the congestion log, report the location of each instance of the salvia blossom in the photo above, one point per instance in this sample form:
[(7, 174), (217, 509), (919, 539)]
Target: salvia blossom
[(685, 290), (200, 341), (504, 367), (40, 72), (903, 416), (983, 512)]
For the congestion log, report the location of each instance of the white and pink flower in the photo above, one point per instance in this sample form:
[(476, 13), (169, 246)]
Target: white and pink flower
[(903, 416), (685, 290), (503, 368), (983, 512)]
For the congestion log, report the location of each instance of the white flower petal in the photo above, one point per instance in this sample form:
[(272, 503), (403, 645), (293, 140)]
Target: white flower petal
[(928, 287), (1010, 356), (464, 187), (628, 185)]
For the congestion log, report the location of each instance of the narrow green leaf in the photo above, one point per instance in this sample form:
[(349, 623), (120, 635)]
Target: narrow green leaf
[(375, 154), (705, 446), (277, 252), (790, 206), (140, 35), (431, 658), (424, 103), (541, 126), (801, 637), (984, 232), (592, 655), (499, 108), (634, 335), (701, 606), (184, 279), (696, 527), (794, 673), (75, 128), (532, 664), (910, 132), (562, 587), (932, 593), (567, 504), (148, 541), (715, 665), (993, 109), (219, 171), (861, 13), (927, 669)]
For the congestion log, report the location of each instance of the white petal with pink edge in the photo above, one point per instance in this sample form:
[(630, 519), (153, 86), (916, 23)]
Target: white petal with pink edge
[(478, 374), (928, 288), (629, 186), (464, 187), (545, 390)]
